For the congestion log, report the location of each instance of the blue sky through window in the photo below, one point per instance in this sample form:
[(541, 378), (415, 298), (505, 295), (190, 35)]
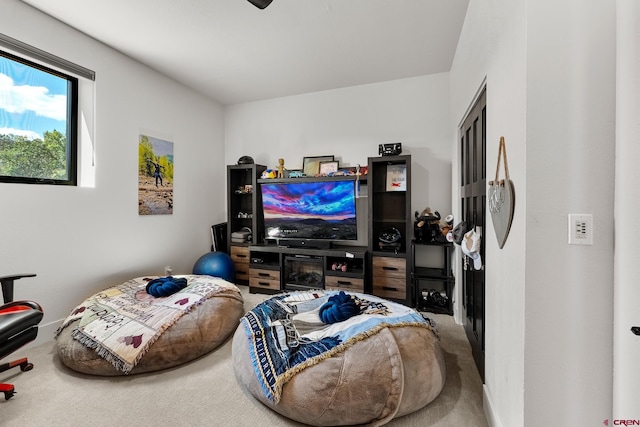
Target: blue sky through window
[(31, 101)]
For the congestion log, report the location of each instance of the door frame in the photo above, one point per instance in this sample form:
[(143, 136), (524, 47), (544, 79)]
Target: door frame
[(471, 290), (458, 311)]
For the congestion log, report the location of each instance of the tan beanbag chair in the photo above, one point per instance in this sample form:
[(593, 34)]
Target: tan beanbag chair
[(391, 373), (196, 333)]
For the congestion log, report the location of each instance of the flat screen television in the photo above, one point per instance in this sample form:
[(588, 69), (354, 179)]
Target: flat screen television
[(315, 210)]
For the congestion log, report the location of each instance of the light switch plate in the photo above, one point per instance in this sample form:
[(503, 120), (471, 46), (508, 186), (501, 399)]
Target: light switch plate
[(580, 229)]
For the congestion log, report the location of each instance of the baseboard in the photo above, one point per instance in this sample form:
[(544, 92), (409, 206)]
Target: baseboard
[(489, 413)]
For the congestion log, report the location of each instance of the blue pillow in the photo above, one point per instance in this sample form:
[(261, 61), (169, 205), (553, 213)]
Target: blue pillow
[(165, 286), (338, 308)]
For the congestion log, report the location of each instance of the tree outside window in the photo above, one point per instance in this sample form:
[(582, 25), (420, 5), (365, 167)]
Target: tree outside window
[(38, 117)]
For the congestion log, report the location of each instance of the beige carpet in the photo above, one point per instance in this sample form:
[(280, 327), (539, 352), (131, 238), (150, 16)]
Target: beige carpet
[(204, 392)]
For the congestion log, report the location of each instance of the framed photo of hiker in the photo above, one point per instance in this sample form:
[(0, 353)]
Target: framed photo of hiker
[(155, 176)]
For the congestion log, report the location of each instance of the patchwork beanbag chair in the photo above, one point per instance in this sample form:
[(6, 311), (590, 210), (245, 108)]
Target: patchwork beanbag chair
[(149, 324), (329, 370)]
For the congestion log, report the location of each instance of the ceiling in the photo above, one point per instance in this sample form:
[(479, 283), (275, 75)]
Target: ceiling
[(234, 52)]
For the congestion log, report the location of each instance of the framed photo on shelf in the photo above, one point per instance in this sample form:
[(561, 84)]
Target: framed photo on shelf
[(328, 167), (311, 165), (397, 178)]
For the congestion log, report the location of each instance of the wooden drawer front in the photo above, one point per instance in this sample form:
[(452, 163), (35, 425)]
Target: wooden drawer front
[(240, 254), (240, 258), (386, 287), (389, 267), (344, 283), (390, 277), (242, 272), (268, 279)]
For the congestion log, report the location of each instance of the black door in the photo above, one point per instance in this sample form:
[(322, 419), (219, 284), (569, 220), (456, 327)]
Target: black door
[(473, 197)]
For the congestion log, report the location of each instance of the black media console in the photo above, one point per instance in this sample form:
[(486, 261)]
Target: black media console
[(274, 268), (304, 243)]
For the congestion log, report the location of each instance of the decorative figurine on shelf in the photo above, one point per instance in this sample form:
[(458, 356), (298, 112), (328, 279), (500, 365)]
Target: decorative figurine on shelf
[(281, 168), (426, 227), (446, 227), (268, 173)]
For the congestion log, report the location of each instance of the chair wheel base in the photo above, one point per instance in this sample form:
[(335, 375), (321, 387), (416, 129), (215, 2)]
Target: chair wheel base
[(8, 391), (24, 367)]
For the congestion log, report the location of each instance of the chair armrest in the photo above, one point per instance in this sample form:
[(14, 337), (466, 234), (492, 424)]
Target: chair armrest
[(7, 285)]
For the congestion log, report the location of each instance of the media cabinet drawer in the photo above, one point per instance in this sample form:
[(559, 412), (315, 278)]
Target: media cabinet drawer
[(267, 279), (389, 277), (242, 273), (389, 267), (240, 254), (390, 288), (240, 258), (344, 283)]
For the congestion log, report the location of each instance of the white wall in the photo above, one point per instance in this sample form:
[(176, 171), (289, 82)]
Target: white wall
[(492, 51), (570, 131), (549, 70), (80, 240), (627, 205), (350, 123)]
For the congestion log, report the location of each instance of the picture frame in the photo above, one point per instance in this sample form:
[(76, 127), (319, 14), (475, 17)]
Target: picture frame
[(328, 167), (311, 165), (397, 178), (155, 176)]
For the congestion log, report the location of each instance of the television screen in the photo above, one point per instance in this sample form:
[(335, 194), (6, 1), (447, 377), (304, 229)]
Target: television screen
[(323, 209)]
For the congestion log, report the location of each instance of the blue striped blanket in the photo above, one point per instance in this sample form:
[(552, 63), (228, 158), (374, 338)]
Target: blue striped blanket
[(286, 334)]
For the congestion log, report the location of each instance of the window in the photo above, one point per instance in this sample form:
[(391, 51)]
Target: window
[(38, 123)]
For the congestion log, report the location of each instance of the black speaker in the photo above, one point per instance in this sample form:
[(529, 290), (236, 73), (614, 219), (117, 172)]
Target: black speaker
[(260, 4), (219, 238), (390, 149)]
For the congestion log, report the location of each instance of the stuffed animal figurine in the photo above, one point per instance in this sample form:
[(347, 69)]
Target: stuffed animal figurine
[(269, 173), (281, 168), (446, 225), (430, 227)]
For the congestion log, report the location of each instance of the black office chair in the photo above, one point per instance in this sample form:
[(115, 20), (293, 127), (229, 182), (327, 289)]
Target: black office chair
[(18, 326)]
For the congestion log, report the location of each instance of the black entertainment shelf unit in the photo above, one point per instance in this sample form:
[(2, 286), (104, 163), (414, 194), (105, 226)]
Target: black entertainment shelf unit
[(244, 213), (275, 268), (433, 286), (290, 261), (389, 192)]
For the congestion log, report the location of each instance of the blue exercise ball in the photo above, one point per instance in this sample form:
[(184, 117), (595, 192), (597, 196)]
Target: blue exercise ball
[(217, 264)]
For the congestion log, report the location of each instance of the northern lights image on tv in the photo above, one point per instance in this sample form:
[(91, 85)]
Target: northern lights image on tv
[(310, 210)]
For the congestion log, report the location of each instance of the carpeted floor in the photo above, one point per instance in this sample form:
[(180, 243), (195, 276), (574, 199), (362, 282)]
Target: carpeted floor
[(205, 392)]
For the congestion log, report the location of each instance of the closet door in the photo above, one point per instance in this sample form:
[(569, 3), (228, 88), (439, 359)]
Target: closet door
[(473, 202)]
